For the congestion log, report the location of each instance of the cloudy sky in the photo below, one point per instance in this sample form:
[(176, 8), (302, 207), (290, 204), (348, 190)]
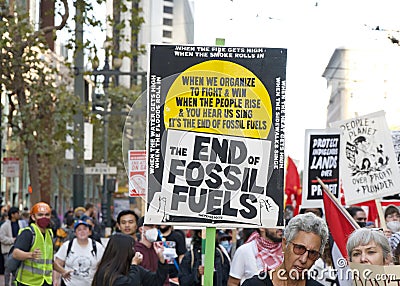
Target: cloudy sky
[(310, 30)]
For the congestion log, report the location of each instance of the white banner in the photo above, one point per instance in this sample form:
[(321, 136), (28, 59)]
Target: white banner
[(11, 167), (209, 177), (396, 144), (370, 167), (137, 173), (377, 275)]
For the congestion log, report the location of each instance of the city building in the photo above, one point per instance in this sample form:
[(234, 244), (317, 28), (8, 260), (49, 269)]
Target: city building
[(166, 22), (363, 78)]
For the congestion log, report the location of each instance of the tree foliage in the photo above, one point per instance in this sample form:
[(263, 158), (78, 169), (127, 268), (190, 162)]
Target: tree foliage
[(121, 99), (39, 89), (39, 97)]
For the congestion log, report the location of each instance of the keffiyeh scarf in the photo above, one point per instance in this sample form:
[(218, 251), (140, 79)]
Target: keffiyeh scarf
[(270, 253)]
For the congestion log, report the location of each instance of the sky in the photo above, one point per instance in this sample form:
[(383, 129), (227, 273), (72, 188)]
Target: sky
[(310, 30)]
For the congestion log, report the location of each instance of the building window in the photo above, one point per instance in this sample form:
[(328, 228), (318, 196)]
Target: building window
[(168, 10), (167, 22), (167, 34)]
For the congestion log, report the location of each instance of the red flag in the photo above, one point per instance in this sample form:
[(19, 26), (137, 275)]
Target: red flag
[(339, 221), (372, 210), (340, 225), (292, 185)]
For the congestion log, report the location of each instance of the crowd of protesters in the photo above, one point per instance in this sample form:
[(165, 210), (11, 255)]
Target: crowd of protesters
[(71, 251)]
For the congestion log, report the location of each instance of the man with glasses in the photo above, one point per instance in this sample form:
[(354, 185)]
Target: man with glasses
[(303, 243)]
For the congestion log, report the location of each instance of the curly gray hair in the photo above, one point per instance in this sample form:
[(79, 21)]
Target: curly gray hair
[(307, 222)]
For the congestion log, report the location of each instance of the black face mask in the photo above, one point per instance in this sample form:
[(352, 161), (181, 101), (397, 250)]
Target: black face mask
[(362, 223), (165, 229)]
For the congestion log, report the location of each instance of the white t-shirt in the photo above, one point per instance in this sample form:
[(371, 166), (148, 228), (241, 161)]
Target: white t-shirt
[(245, 263), (81, 260)]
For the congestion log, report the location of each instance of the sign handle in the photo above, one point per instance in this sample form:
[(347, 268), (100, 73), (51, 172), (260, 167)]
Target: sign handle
[(210, 233), (382, 222), (209, 256)]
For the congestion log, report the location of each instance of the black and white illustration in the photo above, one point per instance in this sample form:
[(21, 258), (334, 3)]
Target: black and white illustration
[(370, 168), (396, 144)]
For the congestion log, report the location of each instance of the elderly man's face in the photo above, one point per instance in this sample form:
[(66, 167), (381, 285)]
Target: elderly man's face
[(296, 263)]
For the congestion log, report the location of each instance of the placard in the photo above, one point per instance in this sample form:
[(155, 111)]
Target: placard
[(370, 168), (215, 136), (322, 155)]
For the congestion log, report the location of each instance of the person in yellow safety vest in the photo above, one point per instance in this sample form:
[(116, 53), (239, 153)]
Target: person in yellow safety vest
[(34, 247)]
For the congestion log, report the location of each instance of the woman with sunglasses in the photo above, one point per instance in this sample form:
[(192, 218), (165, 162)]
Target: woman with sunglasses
[(369, 246), (303, 243), (119, 265)]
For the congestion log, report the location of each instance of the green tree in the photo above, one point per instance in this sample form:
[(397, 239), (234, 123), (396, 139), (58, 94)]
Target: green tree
[(38, 85), (120, 98), (38, 96)]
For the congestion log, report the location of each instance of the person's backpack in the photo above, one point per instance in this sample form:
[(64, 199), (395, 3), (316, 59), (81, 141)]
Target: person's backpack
[(13, 264), (60, 237), (94, 247)]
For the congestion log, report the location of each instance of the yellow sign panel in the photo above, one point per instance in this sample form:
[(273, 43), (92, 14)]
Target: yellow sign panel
[(219, 97)]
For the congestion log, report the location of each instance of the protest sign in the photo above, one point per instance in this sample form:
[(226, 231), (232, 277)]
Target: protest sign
[(396, 144), (322, 154), (377, 275), (11, 167), (369, 170), (137, 173), (215, 139)]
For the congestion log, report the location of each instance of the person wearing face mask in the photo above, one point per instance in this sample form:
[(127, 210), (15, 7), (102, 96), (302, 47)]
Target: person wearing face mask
[(147, 246), (359, 215), (175, 242), (34, 247), (225, 241), (192, 268)]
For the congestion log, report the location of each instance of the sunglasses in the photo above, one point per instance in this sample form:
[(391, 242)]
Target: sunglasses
[(299, 249)]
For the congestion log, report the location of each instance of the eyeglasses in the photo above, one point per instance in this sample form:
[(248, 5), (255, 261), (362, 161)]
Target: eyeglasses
[(299, 249)]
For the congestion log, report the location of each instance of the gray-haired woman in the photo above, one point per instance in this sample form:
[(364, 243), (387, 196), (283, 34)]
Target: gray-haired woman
[(303, 243), (369, 246)]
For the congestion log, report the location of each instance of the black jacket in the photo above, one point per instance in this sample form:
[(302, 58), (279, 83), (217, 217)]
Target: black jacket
[(138, 276), (263, 279), (189, 275)]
